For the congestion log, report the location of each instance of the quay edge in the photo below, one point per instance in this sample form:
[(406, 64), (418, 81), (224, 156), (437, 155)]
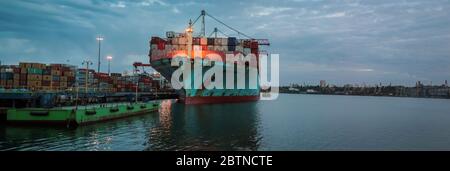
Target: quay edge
[(75, 117)]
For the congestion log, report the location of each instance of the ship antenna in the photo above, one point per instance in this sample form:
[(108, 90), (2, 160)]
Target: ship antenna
[(203, 23)]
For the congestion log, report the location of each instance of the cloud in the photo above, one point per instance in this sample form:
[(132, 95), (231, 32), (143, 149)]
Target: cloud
[(175, 10), (152, 2), (266, 11), (334, 15), (342, 40), (119, 4)]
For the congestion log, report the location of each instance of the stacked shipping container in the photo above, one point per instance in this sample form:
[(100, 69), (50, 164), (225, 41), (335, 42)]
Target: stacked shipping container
[(161, 48), (37, 77)]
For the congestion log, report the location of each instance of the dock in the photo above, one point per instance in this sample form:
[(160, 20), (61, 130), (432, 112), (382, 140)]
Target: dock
[(73, 116)]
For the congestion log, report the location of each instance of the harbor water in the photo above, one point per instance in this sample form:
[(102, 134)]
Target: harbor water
[(292, 122)]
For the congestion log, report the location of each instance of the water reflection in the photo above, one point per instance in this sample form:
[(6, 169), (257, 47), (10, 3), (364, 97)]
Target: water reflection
[(206, 127), (174, 127)]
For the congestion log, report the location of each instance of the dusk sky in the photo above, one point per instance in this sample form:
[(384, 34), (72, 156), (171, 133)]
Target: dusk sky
[(341, 41)]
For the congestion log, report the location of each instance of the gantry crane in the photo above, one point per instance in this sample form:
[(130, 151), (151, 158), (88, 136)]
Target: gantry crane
[(140, 64)]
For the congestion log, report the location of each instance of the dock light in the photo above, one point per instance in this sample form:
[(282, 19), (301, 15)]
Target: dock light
[(109, 64)]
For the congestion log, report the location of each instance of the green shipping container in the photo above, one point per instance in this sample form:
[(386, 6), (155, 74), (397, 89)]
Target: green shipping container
[(34, 71)]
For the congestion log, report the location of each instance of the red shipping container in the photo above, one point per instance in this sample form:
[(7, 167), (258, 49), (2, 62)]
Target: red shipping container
[(22, 82), (254, 45), (169, 41), (161, 45), (204, 47), (45, 83), (156, 40), (254, 51), (17, 70), (196, 41)]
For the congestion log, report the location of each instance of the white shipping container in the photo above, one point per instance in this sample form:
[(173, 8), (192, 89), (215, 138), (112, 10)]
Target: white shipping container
[(221, 41), (175, 41), (203, 41), (218, 48), (197, 48), (247, 51), (224, 48), (210, 47), (175, 47), (168, 47), (182, 41), (221, 48), (224, 41), (239, 48), (217, 41)]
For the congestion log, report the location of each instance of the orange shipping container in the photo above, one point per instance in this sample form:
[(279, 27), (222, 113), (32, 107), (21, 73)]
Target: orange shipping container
[(16, 83), (47, 78), (34, 83), (16, 77), (56, 72), (23, 70), (34, 77)]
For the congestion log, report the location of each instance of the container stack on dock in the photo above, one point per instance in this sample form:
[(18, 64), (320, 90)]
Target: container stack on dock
[(7, 77), (103, 81), (38, 76), (63, 77)]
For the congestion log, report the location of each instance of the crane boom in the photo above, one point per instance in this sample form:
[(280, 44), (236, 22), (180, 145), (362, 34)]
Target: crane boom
[(204, 13)]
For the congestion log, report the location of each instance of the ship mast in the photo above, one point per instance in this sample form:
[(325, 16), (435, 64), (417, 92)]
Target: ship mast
[(264, 42), (189, 32)]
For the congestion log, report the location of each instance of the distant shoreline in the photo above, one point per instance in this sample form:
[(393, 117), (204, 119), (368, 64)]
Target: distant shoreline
[(303, 93)]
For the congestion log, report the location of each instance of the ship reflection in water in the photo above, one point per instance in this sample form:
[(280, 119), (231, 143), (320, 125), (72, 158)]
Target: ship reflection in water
[(175, 127), (202, 127)]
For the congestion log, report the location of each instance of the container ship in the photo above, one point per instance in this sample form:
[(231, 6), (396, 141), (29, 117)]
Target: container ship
[(163, 50)]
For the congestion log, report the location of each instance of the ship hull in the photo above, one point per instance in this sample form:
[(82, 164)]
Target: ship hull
[(206, 96)]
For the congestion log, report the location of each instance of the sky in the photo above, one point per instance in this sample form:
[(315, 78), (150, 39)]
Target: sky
[(340, 41)]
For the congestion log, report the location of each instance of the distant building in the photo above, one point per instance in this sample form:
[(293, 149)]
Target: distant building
[(293, 89), (323, 83), (311, 91)]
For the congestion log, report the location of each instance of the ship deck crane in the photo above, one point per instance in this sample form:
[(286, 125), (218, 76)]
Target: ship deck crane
[(264, 42)]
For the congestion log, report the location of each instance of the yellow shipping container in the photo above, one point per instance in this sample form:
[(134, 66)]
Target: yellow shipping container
[(63, 79), (63, 84), (34, 77), (46, 77), (23, 70), (34, 83), (46, 88), (56, 72), (16, 82), (25, 65)]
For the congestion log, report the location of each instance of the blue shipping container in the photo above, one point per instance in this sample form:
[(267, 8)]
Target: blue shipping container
[(232, 41)]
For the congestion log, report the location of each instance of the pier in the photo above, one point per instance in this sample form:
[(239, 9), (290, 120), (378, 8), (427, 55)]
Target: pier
[(24, 99)]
